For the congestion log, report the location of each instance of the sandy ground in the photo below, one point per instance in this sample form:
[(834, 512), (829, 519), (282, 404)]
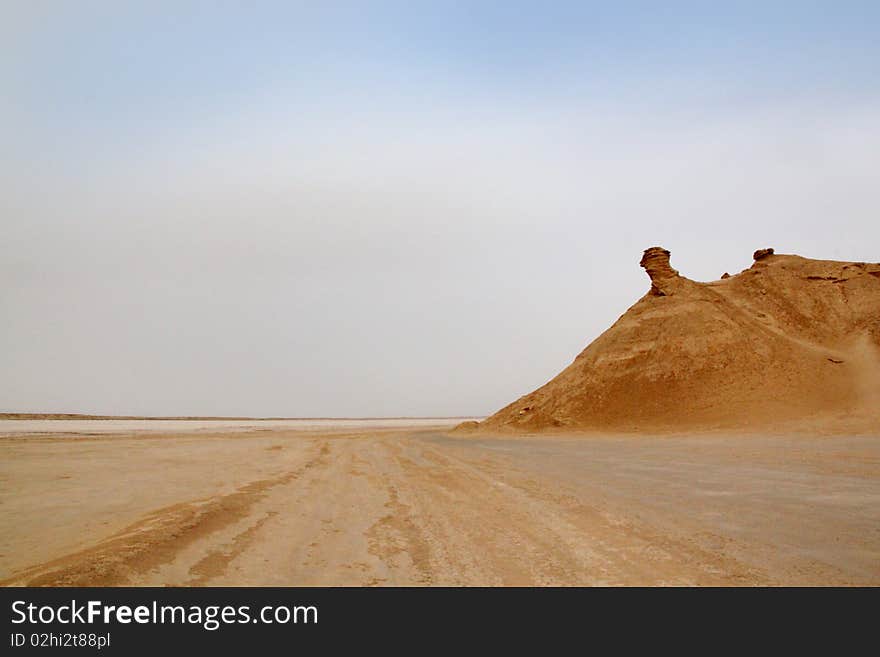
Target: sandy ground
[(413, 506)]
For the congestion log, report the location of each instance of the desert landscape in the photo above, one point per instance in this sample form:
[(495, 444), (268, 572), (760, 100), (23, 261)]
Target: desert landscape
[(467, 294), (723, 433)]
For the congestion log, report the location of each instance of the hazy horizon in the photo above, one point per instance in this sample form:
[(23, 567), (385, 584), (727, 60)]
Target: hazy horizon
[(399, 209)]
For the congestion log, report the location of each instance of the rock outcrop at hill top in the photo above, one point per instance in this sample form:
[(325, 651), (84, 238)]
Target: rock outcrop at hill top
[(789, 340)]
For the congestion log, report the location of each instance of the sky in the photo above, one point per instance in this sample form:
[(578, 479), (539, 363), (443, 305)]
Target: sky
[(399, 208)]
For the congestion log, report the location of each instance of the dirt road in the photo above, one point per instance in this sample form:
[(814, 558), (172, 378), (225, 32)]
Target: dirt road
[(408, 507)]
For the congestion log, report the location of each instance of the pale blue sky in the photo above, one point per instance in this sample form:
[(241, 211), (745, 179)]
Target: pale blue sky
[(399, 208)]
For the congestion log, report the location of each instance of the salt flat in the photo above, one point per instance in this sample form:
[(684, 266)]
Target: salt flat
[(95, 427)]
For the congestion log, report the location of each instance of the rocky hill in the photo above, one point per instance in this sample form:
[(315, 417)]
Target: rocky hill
[(790, 341)]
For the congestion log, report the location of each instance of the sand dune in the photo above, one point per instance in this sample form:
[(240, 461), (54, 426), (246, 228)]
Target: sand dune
[(790, 343)]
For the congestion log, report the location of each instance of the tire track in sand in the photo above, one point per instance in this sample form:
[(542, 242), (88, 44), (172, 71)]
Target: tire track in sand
[(490, 524), (155, 540)]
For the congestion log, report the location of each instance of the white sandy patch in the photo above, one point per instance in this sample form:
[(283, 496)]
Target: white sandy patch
[(90, 427)]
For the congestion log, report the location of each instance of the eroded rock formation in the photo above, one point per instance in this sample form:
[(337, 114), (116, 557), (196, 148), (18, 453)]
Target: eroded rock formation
[(786, 340), (655, 260)]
